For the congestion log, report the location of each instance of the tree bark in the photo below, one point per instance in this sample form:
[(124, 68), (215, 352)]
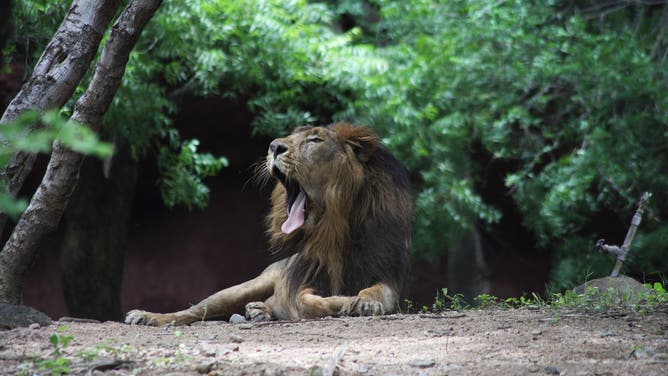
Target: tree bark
[(57, 73), (49, 201)]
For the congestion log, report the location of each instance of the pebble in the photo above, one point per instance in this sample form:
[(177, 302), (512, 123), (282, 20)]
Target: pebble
[(364, 368), (552, 370), (218, 350), (661, 357), (204, 367), (422, 363), (236, 338), (644, 352), (237, 319)]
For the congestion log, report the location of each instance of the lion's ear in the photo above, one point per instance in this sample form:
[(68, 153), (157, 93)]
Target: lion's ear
[(362, 139)]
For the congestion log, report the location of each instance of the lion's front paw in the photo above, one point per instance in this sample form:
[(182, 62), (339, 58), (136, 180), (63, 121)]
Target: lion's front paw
[(139, 317), (358, 306), (258, 311)]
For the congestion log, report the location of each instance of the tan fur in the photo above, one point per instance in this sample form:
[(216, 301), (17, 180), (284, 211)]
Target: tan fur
[(328, 164)]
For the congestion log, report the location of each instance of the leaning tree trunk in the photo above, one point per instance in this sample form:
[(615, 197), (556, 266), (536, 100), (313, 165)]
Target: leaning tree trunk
[(49, 201), (57, 73)]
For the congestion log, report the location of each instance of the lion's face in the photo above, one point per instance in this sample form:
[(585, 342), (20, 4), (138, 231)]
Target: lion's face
[(307, 163)]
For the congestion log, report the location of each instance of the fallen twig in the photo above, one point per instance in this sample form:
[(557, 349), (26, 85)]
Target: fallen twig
[(334, 361)]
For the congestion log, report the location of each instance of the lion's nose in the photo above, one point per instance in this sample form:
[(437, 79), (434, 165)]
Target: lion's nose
[(277, 148)]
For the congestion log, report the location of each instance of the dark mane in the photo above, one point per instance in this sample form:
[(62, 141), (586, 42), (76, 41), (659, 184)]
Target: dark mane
[(376, 247)]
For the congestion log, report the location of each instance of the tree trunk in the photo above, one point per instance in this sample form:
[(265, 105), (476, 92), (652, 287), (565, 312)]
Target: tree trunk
[(57, 73), (49, 201), (91, 258)]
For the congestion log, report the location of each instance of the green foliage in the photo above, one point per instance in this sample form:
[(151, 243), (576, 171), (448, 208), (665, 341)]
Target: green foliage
[(486, 301), (182, 173), (280, 57), (59, 340), (57, 364), (575, 107), (592, 300), (35, 22), (524, 301), (443, 300), (34, 132)]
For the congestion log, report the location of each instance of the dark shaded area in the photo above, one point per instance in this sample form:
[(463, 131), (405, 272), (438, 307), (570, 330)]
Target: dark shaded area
[(175, 257), (513, 262), (91, 256), (10, 76), (5, 23)]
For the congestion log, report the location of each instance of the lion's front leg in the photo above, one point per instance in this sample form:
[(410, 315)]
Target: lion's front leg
[(258, 311), (222, 303), (378, 299), (311, 306)]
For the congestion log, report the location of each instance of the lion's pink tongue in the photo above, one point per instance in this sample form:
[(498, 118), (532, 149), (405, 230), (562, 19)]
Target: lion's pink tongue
[(295, 215)]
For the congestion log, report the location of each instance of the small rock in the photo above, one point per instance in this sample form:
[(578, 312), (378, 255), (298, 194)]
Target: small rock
[(218, 350), (608, 333), (536, 332), (364, 368), (33, 326), (661, 357), (246, 326), (552, 370), (274, 372), (534, 368), (422, 363), (14, 316), (237, 319), (644, 352), (204, 367), (236, 338)]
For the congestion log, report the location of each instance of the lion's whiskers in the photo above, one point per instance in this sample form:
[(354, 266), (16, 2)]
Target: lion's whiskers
[(261, 175)]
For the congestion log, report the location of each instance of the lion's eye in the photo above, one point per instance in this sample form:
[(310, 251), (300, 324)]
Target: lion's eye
[(314, 140)]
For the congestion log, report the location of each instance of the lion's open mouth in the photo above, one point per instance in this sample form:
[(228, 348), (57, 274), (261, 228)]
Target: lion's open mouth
[(297, 202)]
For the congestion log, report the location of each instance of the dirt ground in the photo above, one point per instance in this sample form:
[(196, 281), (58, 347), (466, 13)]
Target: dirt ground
[(500, 342)]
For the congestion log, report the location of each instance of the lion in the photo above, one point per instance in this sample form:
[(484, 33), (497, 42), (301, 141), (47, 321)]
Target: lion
[(340, 223)]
